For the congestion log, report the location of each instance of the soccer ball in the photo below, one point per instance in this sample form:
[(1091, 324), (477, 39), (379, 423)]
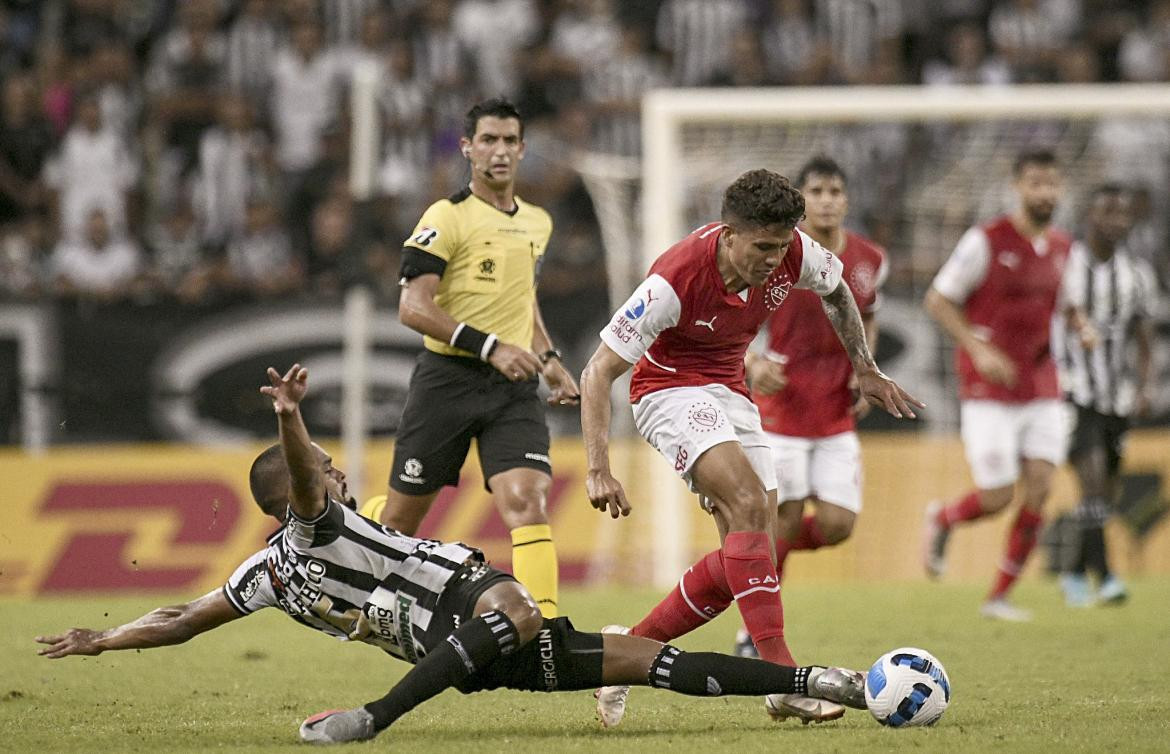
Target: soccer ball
[(907, 687)]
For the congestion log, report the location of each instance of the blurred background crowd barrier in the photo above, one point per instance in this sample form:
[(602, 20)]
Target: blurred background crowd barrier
[(190, 190)]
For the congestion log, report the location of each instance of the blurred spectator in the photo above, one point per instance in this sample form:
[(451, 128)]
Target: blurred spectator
[(404, 98), (15, 44), (234, 163), (117, 87), (614, 88), (494, 31), (1031, 33), (966, 60), (23, 259), (369, 47), (304, 97), (252, 42), (443, 61), (585, 32), (25, 144), (344, 20), (859, 33), (87, 23), (698, 34), (178, 262), (1145, 50), (92, 169), (746, 66), (184, 76), (260, 262), (794, 53), (55, 80), (332, 246), (1078, 63), (99, 265)]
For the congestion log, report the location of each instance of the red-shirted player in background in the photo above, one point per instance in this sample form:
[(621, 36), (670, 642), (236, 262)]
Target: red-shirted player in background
[(996, 296), (686, 329), (803, 383)]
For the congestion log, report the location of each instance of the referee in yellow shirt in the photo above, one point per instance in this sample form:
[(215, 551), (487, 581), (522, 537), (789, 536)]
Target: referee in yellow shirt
[(469, 286)]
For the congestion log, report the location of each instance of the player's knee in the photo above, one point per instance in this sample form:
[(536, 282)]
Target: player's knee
[(995, 500), (521, 506), (836, 527), (747, 508), (526, 617), (788, 519)]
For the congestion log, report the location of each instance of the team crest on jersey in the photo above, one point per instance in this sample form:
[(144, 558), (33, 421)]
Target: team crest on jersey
[(704, 417), (862, 278), (776, 292)]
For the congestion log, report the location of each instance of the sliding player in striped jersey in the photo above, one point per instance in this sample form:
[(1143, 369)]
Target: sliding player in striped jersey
[(461, 622)]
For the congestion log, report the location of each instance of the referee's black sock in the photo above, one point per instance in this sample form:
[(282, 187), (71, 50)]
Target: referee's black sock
[(713, 674), (474, 645)]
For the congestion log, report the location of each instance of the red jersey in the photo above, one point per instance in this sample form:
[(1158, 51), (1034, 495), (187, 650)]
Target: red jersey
[(817, 401), (1008, 288), (682, 327)]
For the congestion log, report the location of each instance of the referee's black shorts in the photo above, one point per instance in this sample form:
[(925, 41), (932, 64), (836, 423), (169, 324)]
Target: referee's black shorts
[(453, 399), (1097, 430)]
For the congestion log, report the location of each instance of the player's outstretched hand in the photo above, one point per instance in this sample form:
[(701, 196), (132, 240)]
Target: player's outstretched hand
[(563, 390), (883, 392), (606, 493), (993, 364), (287, 392), (75, 641), (517, 364)]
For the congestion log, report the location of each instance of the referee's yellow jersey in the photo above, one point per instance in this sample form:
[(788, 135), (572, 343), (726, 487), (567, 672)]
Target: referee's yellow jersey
[(491, 256)]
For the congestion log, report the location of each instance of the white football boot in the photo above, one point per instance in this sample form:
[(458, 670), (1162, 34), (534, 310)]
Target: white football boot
[(338, 727), (1001, 609), (780, 707)]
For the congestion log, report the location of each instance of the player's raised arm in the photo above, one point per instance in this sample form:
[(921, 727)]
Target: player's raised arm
[(875, 387), (307, 493), (158, 628), (605, 492)]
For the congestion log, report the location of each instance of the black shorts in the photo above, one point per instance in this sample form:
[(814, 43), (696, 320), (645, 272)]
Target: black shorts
[(456, 604), (1097, 430), (453, 399), (560, 658)]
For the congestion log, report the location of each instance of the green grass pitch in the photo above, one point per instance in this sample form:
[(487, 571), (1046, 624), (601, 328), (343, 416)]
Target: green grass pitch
[(1072, 681)]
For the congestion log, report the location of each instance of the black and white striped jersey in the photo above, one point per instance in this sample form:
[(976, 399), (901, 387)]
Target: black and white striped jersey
[(353, 579), (1113, 295)]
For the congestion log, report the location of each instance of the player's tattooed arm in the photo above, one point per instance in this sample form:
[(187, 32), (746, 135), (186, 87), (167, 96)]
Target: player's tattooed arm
[(875, 387), (843, 314), (158, 628)]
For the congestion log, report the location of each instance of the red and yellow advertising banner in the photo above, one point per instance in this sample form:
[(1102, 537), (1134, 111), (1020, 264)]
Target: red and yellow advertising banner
[(180, 518)]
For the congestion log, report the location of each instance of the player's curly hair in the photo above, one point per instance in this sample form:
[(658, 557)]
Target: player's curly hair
[(760, 198)]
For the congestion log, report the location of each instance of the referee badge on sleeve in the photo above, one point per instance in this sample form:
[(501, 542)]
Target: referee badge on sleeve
[(425, 236)]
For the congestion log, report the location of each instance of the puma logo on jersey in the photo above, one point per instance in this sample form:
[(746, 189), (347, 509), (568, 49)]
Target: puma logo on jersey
[(709, 325)]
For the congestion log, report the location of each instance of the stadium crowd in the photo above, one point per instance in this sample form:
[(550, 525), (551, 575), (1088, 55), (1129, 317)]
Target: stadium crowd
[(198, 150)]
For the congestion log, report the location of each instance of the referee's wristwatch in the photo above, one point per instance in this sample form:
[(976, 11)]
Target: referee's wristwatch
[(549, 355)]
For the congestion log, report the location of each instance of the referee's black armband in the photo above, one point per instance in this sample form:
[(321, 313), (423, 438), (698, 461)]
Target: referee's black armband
[(477, 342), (416, 262)]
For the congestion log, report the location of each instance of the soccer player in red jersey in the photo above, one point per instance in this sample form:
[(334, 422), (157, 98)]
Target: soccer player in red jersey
[(686, 330), (803, 382), (995, 297)]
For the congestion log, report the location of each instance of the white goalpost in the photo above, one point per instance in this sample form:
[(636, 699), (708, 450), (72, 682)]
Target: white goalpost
[(924, 163)]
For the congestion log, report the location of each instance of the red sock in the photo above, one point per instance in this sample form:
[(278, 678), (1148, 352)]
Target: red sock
[(966, 508), (1020, 543), (747, 560), (701, 594), (810, 537)]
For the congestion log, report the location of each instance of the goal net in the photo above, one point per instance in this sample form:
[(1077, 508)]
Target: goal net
[(923, 165)]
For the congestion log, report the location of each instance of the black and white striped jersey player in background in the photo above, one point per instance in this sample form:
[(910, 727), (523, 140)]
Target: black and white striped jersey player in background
[(460, 621)]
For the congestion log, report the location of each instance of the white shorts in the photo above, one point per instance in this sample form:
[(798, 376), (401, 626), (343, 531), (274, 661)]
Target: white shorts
[(684, 422), (828, 468), (997, 435)]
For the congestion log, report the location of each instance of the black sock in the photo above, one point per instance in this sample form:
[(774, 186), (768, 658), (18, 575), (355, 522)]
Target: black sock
[(1093, 512), (713, 674), (475, 645)]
